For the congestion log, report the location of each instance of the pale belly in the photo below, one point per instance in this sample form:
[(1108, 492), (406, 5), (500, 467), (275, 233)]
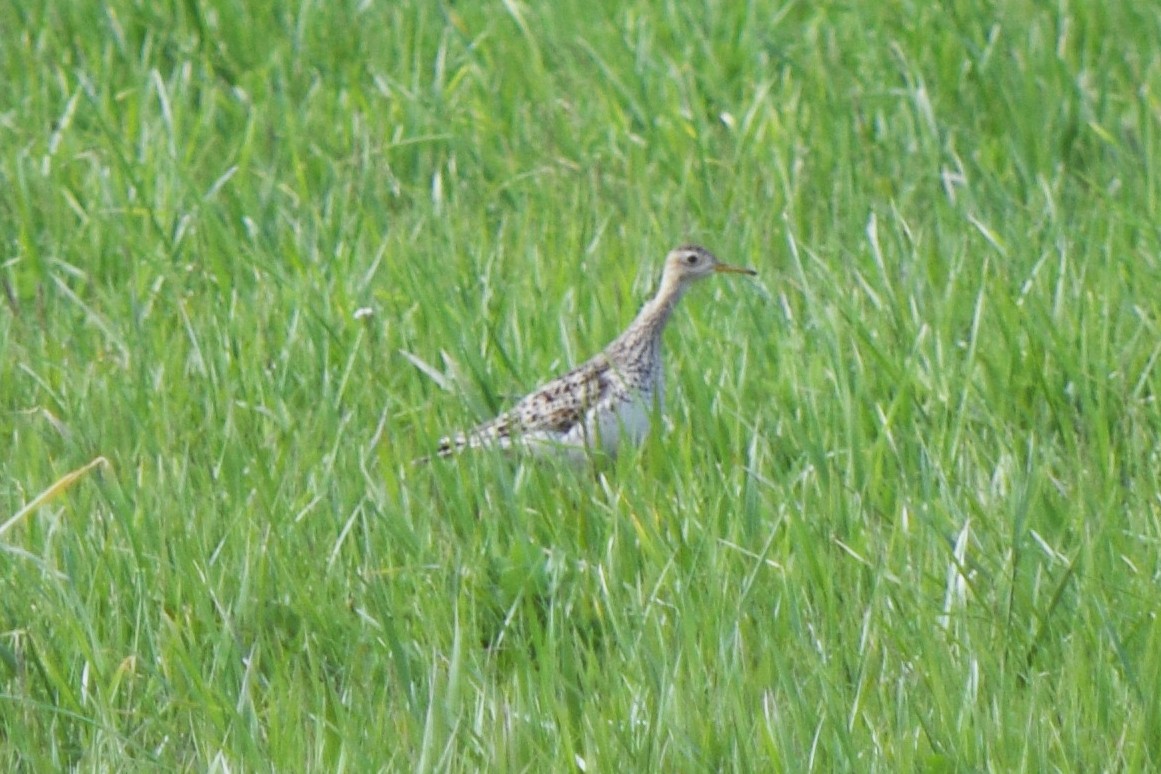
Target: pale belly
[(628, 424)]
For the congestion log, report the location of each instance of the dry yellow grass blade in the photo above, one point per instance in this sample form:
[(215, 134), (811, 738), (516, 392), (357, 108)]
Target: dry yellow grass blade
[(60, 485)]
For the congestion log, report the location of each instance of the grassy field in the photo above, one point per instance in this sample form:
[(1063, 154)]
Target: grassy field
[(904, 512)]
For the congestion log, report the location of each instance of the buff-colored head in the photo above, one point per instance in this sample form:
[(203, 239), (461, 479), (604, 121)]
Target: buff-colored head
[(689, 263)]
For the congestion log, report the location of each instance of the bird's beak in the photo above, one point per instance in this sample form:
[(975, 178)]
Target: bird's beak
[(725, 268)]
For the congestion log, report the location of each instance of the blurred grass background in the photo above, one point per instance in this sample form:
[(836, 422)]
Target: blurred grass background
[(904, 513)]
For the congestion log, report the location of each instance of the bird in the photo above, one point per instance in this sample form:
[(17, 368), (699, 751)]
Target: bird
[(607, 400)]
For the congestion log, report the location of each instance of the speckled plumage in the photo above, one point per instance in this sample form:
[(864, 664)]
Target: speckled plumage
[(607, 399)]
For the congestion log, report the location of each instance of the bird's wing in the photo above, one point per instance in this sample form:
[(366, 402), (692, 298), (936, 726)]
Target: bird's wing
[(554, 408)]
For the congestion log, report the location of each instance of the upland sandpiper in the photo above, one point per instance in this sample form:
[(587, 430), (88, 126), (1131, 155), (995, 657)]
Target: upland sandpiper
[(609, 399)]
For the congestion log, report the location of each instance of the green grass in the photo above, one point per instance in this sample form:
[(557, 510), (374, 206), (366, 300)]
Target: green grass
[(904, 513)]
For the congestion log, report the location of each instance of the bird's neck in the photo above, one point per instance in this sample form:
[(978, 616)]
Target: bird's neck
[(651, 320)]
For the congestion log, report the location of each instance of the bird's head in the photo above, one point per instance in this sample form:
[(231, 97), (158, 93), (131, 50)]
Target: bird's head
[(688, 263)]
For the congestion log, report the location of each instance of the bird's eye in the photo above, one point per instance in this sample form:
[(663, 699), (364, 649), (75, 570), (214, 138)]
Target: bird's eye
[(691, 259)]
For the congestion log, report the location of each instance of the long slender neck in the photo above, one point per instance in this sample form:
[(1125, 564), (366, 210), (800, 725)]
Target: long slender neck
[(651, 320), (655, 314)]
